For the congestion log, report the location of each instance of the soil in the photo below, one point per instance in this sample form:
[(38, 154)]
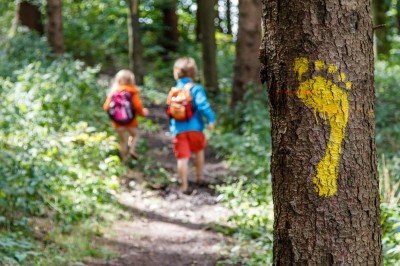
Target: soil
[(167, 227)]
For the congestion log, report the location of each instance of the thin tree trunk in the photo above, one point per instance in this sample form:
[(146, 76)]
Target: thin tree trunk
[(209, 47), (199, 17), (247, 65), (171, 32), (317, 61), (379, 14), (135, 41), (229, 17), (28, 15), (55, 26)]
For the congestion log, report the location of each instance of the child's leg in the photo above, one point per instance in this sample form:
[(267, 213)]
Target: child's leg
[(199, 162), (183, 154), (133, 138), (183, 165), (123, 142)]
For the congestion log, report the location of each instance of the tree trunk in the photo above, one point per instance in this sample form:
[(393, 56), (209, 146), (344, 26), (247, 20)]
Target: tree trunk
[(29, 15), (229, 17), (317, 61), (199, 17), (135, 41), (170, 19), (247, 65), (55, 26), (209, 46), (379, 9)]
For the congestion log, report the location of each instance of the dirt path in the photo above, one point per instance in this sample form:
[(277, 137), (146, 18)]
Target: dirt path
[(168, 228)]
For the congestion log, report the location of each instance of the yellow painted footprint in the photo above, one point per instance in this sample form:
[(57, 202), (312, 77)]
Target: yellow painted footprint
[(331, 101)]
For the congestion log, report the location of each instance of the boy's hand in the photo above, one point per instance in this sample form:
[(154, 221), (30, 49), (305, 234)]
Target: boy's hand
[(146, 112), (211, 126)]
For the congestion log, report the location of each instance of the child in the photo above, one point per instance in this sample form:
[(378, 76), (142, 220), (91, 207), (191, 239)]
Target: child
[(188, 134), (124, 82)]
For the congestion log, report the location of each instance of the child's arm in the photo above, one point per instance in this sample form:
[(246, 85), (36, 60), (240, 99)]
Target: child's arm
[(137, 105), (202, 104), (106, 104)]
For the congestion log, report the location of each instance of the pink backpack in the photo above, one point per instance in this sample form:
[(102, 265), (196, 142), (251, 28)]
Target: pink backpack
[(121, 109)]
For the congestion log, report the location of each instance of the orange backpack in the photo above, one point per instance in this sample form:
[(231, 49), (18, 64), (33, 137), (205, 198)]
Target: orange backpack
[(180, 103)]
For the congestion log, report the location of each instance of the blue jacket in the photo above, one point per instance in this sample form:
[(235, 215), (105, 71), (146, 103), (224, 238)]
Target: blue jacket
[(201, 107)]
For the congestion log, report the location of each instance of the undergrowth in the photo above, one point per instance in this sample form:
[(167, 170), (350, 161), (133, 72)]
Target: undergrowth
[(58, 162)]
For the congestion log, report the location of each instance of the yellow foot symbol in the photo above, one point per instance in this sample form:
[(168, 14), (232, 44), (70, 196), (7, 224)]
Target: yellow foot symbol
[(331, 102)]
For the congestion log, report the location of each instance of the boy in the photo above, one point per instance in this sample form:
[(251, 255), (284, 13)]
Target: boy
[(124, 81), (188, 134)]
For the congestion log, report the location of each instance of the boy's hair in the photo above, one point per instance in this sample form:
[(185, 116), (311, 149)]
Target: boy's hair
[(185, 67), (124, 77)]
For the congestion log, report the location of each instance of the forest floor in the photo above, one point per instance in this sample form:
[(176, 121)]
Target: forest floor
[(166, 227)]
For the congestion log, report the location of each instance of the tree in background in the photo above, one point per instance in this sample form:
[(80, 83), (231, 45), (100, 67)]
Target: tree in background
[(171, 33), (55, 26), (247, 65), (209, 47), (379, 9), (317, 61), (135, 41), (29, 15), (199, 17), (228, 17)]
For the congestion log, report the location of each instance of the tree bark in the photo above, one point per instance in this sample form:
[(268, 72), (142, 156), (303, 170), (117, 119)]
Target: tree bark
[(209, 47), (317, 61), (247, 65), (379, 9), (199, 17), (55, 26), (171, 32), (29, 15), (228, 17), (135, 41)]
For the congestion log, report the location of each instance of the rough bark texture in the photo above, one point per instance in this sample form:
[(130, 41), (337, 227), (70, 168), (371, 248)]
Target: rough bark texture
[(247, 65), (30, 16), (209, 47), (170, 19), (55, 26), (135, 42), (317, 61), (379, 9)]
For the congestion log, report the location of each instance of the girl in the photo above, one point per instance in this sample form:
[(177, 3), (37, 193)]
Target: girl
[(127, 132)]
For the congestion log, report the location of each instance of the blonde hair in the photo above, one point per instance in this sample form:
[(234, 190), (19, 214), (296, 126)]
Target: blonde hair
[(185, 67), (124, 77)]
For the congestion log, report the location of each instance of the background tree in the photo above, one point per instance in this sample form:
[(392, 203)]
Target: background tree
[(247, 65), (135, 41), (317, 60), (229, 17), (171, 33), (379, 17), (199, 17), (206, 9), (29, 15), (55, 26)]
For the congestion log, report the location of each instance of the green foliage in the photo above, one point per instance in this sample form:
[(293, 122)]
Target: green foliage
[(56, 159), (387, 88), (22, 49), (97, 31), (244, 137)]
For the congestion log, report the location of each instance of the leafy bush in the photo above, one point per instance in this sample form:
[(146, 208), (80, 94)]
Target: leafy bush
[(57, 160), (244, 138)]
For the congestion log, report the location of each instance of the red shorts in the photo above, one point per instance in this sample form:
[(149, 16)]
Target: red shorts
[(187, 142)]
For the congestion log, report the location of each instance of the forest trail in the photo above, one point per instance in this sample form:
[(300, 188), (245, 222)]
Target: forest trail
[(166, 227)]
